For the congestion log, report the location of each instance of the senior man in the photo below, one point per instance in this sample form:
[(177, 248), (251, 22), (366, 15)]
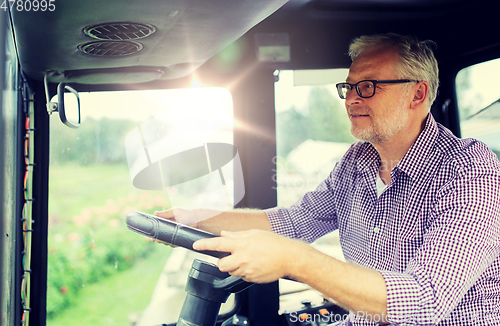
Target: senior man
[(418, 209)]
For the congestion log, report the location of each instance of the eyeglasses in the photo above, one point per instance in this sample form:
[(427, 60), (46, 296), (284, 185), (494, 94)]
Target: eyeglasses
[(366, 88)]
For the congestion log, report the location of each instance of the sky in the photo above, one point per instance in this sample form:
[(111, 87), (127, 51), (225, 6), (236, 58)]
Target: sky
[(289, 94)]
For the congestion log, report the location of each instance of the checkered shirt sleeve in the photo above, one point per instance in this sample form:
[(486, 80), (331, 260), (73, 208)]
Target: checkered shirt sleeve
[(459, 251), (308, 219)]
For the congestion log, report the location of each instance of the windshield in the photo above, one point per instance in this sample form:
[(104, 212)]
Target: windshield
[(478, 104), (312, 134), (99, 272)]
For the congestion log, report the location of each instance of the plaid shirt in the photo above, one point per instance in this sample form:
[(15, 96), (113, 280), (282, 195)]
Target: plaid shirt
[(433, 234)]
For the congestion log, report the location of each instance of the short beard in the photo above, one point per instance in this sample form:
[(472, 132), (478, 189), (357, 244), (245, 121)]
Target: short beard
[(384, 130)]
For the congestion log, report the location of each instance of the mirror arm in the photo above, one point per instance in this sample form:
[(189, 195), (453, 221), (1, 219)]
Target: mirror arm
[(51, 106)]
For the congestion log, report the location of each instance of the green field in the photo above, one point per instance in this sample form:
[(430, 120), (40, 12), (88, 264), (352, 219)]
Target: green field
[(99, 272), (115, 299), (73, 188)]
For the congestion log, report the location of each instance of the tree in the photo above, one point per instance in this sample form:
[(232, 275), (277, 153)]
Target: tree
[(291, 130), (325, 119), (328, 120), (96, 141)]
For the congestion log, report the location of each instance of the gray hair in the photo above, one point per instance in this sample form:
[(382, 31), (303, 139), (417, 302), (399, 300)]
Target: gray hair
[(417, 60)]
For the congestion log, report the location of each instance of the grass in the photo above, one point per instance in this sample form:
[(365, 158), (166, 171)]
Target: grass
[(73, 187), (111, 301), (103, 188)]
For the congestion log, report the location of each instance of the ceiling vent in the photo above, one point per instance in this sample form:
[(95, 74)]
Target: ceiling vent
[(119, 31), (110, 48)]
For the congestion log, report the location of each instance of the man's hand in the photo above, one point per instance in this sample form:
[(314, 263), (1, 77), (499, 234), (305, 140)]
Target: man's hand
[(256, 256)]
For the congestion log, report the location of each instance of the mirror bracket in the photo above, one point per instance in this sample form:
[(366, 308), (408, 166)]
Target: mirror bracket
[(51, 106)]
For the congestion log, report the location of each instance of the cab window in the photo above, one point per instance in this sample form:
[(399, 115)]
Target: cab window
[(312, 134), (479, 103), (99, 272)]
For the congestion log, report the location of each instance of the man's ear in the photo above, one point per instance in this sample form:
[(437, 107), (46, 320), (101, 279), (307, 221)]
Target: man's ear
[(420, 95)]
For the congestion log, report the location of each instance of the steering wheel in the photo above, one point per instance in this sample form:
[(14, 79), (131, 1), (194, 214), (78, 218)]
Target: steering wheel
[(207, 287)]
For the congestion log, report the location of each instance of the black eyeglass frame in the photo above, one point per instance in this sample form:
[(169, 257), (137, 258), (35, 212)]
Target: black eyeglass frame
[(375, 82)]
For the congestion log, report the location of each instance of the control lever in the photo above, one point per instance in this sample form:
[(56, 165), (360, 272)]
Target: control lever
[(169, 231), (207, 287)]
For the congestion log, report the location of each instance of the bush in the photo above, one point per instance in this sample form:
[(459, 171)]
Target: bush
[(96, 244)]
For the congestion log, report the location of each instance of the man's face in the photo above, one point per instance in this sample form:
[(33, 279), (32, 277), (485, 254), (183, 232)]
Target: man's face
[(382, 117)]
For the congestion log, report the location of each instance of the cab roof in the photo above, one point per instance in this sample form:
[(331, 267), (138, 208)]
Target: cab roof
[(96, 42)]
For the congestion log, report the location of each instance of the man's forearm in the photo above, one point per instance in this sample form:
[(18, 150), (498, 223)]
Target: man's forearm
[(355, 288), (264, 257), (236, 220)]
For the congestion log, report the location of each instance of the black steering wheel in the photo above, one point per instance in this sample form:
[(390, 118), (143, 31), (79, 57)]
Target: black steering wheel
[(207, 287)]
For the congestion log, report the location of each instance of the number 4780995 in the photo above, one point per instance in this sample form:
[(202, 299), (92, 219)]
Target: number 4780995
[(28, 5)]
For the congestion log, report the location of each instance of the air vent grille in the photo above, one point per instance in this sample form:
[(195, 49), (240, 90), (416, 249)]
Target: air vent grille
[(110, 48), (119, 31)]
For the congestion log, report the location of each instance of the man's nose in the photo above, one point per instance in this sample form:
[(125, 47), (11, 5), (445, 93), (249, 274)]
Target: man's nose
[(352, 97)]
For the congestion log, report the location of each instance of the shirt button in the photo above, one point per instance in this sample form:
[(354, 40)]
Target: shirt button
[(376, 229)]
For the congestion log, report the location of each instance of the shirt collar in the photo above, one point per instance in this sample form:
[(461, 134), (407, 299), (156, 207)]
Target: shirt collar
[(415, 159), (369, 156)]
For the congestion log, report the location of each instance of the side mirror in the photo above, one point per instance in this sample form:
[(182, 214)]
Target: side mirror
[(68, 104)]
